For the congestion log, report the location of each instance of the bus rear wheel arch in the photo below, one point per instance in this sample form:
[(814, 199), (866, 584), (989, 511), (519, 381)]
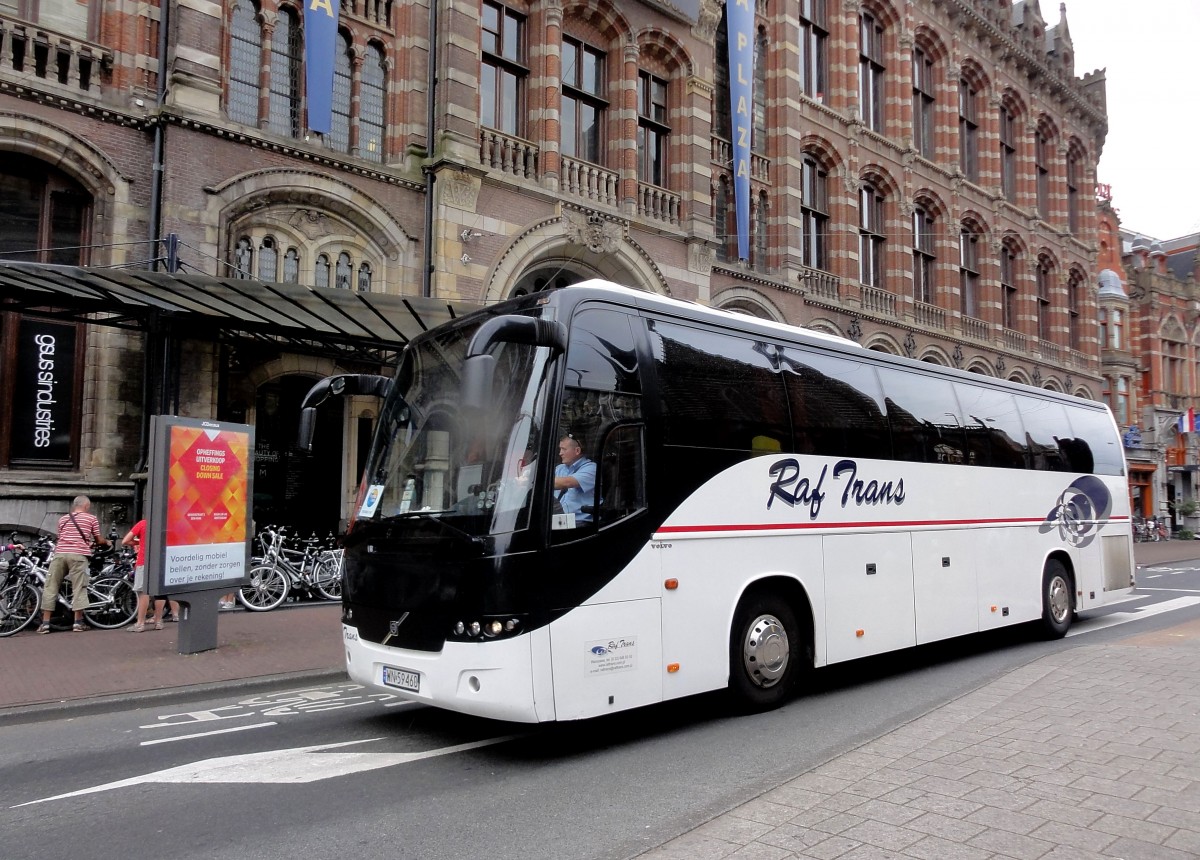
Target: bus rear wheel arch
[(1058, 599), (769, 649)]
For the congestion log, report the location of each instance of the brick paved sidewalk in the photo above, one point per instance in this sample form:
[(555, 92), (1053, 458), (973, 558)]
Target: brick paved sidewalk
[(1088, 753), (72, 667)]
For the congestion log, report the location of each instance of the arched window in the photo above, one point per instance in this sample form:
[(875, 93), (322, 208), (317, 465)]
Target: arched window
[(243, 258), (286, 50), (504, 69), (372, 117), (339, 126), (761, 223), (758, 140), (924, 254), (364, 278), (584, 106), (1042, 167), (872, 239), (344, 270), (721, 218), (814, 212), (1008, 152), (653, 131), (814, 33), (1074, 170), (291, 266), (722, 121), (924, 101), (1045, 278), (1008, 287), (1075, 292), (870, 70), (321, 271), (968, 267), (968, 129), (245, 57), (268, 260)]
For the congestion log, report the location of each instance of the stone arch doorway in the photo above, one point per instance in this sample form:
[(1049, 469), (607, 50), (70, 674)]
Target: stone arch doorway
[(550, 277), (292, 487)]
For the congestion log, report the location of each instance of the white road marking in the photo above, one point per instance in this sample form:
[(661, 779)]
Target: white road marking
[(1087, 625), (206, 734), (1156, 576), (1175, 590), (290, 766)]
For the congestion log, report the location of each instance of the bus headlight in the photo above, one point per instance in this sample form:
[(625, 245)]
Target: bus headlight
[(491, 628)]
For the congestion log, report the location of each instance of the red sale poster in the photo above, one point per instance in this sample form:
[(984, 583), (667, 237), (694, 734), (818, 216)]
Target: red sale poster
[(206, 487)]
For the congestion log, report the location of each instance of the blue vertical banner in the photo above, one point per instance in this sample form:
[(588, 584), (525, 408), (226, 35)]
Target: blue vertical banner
[(740, 23), (320, 40)]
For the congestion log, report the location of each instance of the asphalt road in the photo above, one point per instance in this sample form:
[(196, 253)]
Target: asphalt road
[(335, 771)]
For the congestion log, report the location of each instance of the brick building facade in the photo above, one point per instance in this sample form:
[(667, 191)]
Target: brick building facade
[(920, 181), (1149, 314)]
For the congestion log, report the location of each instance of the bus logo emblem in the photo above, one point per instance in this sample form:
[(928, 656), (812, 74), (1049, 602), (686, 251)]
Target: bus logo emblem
[(394, 628), (1079, 511)]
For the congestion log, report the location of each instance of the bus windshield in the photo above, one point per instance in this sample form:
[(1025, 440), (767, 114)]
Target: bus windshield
[(473, 473)]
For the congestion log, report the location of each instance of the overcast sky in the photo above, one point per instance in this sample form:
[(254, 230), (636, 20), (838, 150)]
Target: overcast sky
[(1149, 49)]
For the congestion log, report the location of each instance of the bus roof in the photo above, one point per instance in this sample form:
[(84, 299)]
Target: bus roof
[(745, 322), (648, 299)]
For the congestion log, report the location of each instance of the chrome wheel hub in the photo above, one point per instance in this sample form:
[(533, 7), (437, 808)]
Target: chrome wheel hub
[(765, 651)]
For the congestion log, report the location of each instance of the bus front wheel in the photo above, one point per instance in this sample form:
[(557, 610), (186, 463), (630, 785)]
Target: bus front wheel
[(764, 652), (1057, 599)]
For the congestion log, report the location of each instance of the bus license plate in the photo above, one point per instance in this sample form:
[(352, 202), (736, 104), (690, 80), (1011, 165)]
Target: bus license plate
[(402, 679)]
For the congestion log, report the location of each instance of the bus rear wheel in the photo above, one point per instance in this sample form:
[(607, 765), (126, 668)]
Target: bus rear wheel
[(765, 652), (1057, 599)]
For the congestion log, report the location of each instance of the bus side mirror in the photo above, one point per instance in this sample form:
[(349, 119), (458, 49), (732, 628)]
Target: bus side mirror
[(479, 372), (304, 432)]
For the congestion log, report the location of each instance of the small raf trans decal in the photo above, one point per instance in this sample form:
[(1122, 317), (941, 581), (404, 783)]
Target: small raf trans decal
[(1080, 510), (618, 654), (796, 490)]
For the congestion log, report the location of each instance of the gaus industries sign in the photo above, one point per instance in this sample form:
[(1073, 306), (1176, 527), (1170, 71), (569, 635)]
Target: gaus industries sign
[(199, 515), (44, 394)]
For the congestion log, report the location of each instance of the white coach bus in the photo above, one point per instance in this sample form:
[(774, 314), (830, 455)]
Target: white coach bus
[(767, 500)]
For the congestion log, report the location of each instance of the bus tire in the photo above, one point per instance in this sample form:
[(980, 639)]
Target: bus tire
[(765, 652), (1057, 592)]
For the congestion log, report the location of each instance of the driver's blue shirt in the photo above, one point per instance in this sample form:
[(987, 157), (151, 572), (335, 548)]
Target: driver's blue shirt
[(572, 499)]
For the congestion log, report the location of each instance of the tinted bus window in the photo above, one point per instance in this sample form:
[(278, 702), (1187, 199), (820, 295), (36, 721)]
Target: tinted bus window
[(1045, 424), (1094, 429), (836, 404), (601, 355), (995, 436), (719, 391), (923, 414)]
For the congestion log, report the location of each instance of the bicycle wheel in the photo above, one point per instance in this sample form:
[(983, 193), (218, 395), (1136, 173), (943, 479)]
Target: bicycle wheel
[(19, 605), (113, 603), (327, 579), (267, 589)]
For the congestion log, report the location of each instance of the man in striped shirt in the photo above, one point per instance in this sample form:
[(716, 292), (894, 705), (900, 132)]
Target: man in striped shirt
[(77, 532)]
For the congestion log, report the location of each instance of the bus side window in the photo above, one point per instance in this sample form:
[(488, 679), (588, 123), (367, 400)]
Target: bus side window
[(994, 433), (1045, 422), (836, 406), (923, 413), (620, 488)]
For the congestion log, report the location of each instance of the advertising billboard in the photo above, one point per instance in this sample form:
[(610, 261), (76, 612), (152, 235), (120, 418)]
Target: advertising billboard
[(201, 487)]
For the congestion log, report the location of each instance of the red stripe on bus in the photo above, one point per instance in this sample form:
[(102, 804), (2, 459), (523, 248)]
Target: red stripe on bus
[(755, 527)]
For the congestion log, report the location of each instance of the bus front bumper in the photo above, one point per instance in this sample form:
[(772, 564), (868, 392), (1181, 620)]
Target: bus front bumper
[(487, 679)]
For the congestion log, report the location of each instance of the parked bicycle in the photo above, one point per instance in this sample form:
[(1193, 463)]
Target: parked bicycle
[(112, 602), (288, 564)]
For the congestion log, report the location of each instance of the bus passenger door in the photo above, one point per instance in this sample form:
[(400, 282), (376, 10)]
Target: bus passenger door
[(869, 602), (944, 578)]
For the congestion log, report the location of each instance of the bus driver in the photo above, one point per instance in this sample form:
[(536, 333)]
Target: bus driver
[(574, 479)]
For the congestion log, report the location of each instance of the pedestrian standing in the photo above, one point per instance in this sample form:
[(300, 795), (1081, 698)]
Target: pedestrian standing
[(137, 537), (78, 532)]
